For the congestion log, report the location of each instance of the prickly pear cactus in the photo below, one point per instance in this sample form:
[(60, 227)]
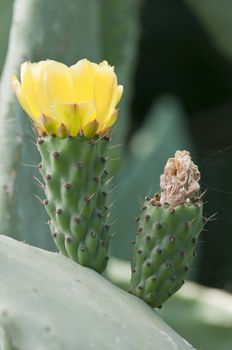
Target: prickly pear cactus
[(73, 109), (168, 229), (51, 303), (75, 183)]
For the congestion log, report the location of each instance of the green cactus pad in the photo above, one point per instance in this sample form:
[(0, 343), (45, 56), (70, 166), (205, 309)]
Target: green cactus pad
[(164, 249), (75, 184), (48, 302)]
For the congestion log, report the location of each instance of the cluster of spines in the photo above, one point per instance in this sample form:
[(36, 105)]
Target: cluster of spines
[(75, 183), (164, 248)]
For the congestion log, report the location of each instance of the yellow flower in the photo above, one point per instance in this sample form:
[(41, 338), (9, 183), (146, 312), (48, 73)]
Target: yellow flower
[(65, 100)]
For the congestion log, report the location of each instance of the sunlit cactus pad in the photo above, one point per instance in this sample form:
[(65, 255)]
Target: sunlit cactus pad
[(164, 248), (75, 176), (48, 302)]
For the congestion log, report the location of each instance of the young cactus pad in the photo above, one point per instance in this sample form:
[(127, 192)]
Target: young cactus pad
[(75, 177), (168, 228), (73, 109)]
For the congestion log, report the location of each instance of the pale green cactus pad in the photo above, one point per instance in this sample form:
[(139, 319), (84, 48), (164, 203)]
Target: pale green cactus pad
[(49, 302)]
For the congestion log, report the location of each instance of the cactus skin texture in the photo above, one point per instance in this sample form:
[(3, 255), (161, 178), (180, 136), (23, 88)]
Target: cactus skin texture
[(51, 303), (164, 249), (75, 184)]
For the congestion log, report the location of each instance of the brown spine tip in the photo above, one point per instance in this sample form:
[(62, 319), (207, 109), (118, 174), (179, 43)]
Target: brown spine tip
[(133, 270), (158, 225), (103, 159), (147, 217), (137, 219), (77, 219), (104, 193), (147, 237), (67, 186), (188, 225), (133, 242), (106, 138), (102, 243), (82, 248), (144, 207), (56, 154), (186, 268), (139, 251), (93, 234), (107, 227), (39, 166), (96, 179), (48, 177), (45, 201), (54, 234), (140, 229), (172, 238), (78, 165), (99, 215), (40, 141), (194, 241), (148, 263), (68, 239), (59, 211), (158, 251)]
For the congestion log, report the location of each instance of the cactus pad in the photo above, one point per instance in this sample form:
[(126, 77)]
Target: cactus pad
[(164, 248), (75, 184)]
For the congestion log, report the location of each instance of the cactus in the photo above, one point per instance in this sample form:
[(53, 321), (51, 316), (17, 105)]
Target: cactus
[(5, 21), (168, 228), (73, 109), (33, 38), (140, 173), (51, 303), (75, 176)]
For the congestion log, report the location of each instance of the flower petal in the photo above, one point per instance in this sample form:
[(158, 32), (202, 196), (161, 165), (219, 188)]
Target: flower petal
[(119, 94), (105, 91), (22, 98), (82, 74), (31, 74), (57, 82), (74, 116)]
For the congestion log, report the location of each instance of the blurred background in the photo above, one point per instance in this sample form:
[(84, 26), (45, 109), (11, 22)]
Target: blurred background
[(174, 59)]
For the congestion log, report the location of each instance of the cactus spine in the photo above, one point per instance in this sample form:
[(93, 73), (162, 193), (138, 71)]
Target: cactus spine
[(75, 183), (168, 228)]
